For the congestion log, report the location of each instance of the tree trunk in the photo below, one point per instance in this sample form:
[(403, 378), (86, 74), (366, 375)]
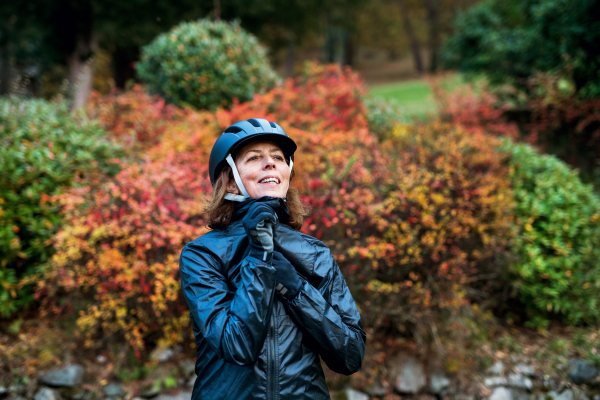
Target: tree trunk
[(217, 9), (123, 61), (290, 54), (80, 69), (412, 38), (433, 16), (5, 70), (348, 49)]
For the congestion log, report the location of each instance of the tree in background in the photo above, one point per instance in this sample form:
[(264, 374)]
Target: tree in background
[(414, 26), (68, 33), (512, 40)]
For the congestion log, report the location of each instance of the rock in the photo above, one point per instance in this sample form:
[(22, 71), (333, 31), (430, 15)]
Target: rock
[(376, 391), (496, 369), (113, 390), (463, 397), (80, 395), (501, 393), (492, 381), (582, 372), (352, 394), (438, 382), (191, 382), (187, 368), (180, 396), (597, 397), (519, 381), (150, 391), (566, 394), (46, 394), (71, 375), (411, 378), (162, 353), (525, 370), (519, 394), (73, 393)]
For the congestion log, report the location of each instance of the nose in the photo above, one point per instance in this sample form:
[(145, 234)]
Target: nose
[(269, 163)]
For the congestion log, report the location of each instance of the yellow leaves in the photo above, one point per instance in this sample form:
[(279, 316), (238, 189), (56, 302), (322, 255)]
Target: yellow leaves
[(528, 227), (437, 198)]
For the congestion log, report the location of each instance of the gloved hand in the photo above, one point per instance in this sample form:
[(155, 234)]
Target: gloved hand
[(288, 281), (258, 223)]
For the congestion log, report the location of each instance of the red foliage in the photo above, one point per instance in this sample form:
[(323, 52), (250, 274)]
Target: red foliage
[(327, 97), (134, 118)]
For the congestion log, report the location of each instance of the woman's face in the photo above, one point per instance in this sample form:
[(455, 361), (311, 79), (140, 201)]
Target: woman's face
[(263, 170)]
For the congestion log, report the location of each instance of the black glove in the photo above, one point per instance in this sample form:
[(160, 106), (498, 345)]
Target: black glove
[(258, 223), (288, 281)]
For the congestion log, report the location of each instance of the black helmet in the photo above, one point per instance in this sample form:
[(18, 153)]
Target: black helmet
[(242, 133)]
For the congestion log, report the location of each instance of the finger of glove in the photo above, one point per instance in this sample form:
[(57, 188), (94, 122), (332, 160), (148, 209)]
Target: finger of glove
[(277, 257), (264, 235)]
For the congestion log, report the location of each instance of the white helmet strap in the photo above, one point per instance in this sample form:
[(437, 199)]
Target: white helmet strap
[(238, 181)]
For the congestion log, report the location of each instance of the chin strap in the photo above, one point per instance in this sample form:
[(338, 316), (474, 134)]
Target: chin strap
[(240, 185)]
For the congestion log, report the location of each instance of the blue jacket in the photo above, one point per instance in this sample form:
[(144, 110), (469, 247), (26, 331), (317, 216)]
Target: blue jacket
[(252, 345)]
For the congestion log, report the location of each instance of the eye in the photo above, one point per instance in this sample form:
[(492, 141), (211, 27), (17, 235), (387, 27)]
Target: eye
[(252, 158)]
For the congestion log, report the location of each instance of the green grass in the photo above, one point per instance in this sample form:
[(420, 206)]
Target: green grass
[(415, 98)]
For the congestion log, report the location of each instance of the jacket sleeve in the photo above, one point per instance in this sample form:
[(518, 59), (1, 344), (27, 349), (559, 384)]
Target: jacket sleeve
[(235, 324), (329, 315)]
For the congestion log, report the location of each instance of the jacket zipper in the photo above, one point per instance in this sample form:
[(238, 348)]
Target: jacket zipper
[(271, 366)]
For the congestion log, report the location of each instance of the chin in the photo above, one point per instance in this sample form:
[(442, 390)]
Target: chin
[(269, 193)]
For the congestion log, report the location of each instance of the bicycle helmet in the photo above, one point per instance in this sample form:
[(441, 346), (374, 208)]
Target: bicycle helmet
[(240, 134)]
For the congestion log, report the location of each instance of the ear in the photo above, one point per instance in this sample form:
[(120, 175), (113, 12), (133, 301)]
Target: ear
[(232, 187)]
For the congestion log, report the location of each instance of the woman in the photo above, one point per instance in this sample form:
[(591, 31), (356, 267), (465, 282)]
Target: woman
[(265, 300)]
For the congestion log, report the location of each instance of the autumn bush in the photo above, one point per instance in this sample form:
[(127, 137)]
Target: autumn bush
[(435, 238), (206, 64), (116, 256), (133, 118), (558, 219), (418, 220), (43, 149), (324, 98)]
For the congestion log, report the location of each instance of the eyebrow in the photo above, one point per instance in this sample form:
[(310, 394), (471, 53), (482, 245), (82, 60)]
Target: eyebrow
[(260, 151)]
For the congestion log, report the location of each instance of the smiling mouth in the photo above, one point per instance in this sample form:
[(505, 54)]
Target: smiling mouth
[(270, 181)]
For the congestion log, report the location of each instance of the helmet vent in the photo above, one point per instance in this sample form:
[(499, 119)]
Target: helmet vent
[(254, 123), (273, 125), (233, 129)]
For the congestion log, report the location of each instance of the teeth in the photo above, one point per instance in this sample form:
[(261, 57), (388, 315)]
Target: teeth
[(270, 180)]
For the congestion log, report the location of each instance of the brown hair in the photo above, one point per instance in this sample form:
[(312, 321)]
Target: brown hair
[(220, 210)]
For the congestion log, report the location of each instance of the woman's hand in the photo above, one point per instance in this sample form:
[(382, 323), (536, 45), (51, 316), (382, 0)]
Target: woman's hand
[(288, 282), (258, 223)]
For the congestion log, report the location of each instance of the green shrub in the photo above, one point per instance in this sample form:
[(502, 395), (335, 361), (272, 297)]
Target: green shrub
[(382, 116), (511, 41), (558, 218), (43, 147), (206, 64)]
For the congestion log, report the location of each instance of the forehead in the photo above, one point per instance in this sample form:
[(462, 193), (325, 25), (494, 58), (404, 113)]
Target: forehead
[(259, 145)]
